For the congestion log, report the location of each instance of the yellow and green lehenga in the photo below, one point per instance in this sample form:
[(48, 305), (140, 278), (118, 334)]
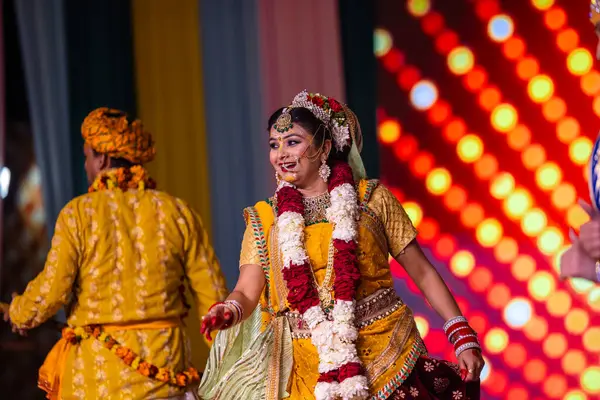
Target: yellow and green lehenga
[(270, 355)]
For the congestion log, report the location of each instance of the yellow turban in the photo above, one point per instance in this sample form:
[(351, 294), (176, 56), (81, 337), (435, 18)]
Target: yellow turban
[(595, 11), (107, 131)]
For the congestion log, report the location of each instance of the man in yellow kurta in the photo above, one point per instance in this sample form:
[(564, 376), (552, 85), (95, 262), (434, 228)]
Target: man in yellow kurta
[(119, 261)]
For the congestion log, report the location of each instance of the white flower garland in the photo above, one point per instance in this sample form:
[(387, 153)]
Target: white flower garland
[(334, 340)]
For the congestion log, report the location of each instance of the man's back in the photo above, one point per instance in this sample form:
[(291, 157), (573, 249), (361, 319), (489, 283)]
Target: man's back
[(124, 256)]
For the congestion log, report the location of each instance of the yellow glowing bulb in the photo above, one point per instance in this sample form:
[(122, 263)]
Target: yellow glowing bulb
[(541, 285), (580, 150), (591, 339), (555, 345), (542, 4), (496, 340), (414, 211), (461, 60), (590, 380), (470, 148), (550, 241), (574, 362), (540, 88), (489, 232), (581, 285), (502, 185), (517, 204), (462, 263), (580, 61), (422, 325), (389, 131), (559, 303), (438, 181), (593, 299), (577, 321), (575, 395), (504, 118), (533, 222), (548, 176), (418, 8)]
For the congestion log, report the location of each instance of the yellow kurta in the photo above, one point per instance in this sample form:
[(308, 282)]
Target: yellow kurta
[(389, 342), (120, 258)]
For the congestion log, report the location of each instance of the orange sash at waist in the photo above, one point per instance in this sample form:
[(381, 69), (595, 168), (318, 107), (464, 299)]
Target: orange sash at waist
[(50, 373)]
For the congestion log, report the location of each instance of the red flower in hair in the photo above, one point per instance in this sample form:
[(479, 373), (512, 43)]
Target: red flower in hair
[(318, 100), (334, 105)]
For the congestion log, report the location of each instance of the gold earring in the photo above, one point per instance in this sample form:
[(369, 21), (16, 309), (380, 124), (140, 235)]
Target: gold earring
[(324, 171)]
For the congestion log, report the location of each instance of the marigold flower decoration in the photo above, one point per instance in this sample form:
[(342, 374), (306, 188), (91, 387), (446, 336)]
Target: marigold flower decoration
[(132, 359)]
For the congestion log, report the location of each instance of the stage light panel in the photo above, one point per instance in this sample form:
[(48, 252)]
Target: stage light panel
[(462, 263), (486, 166), (540, 88), (591, 339), (519, 138), (580, 150), (573, 362), (555, 18), (550, 240), (422, 325), (471, 215), (498, 296), (518, 312), (548, 176), (496, 340), (469, 148), (533, 156), (485, 372), (577, 321), (517, 203), (514, 48), (461, 60), (567, 40), (567, 130), (523, 267), (438, 181), (455, 198), (418, 8), (535, 371), (580, 61), (593, 299), (500, 28), (515, 355), (542, 4), (475, 79), (534, 221), (422, 164), (504, 117), (582, 286), (536, 329), (445, 246), (454, 130), (541, 285), (575, 395), (383, 42), (389, 131), (489, 98), (555, 386), (423, 95), (554, 109), (414, 211), (527, 68), (489, 232), (590, 380), (559, 303), (576, 216), (555, 345), (506, 250), (480, 279), (590, 83)]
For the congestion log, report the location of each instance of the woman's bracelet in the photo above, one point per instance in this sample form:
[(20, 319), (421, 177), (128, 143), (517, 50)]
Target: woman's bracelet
[(238, 310), (461, 335)]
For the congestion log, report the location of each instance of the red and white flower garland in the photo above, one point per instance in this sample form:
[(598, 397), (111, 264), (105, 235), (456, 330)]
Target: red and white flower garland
[(340, 369)]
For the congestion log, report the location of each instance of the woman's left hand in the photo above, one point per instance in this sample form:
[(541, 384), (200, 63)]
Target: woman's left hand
[(471, 363)]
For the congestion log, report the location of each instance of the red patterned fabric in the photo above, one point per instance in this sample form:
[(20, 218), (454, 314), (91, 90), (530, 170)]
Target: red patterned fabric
[(433, 379)]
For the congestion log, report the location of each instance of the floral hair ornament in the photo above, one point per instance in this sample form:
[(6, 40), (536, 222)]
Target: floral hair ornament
[(594, 11), (327, 109)]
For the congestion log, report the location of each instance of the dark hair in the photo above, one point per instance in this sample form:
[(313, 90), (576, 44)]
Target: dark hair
[(117, 162), (314, 126)]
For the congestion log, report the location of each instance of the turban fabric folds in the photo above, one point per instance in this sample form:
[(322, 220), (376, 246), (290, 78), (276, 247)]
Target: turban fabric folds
[(107, 131)]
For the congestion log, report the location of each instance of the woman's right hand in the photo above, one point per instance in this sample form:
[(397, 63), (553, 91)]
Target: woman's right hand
[(218, 318)]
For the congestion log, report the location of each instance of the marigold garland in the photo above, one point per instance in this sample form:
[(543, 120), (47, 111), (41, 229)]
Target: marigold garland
[(135, 177), (129, 357)]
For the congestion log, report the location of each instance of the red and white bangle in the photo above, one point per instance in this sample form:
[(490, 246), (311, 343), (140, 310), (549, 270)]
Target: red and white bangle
[(461, 335), (237, 309)]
